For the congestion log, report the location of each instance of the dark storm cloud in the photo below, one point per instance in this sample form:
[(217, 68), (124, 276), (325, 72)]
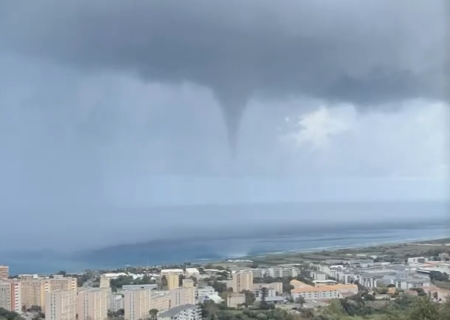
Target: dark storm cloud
[(363, 52)]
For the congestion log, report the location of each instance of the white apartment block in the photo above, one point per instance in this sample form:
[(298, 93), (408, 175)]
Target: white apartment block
[(184, 312), (280, 272), (60, 305), (192, 272), (202, 292), (93, 304), (115, 302)]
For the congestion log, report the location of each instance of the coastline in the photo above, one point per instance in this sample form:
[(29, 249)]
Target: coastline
[(428, 242), (218, 252)]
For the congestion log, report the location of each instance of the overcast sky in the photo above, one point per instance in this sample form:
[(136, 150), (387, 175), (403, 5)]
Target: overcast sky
[(139, 103)]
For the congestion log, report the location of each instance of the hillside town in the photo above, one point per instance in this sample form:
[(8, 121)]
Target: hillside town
[(189, 292)]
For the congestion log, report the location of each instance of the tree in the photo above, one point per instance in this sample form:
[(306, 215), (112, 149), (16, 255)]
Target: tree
[(249, 297), (445, 309), (424, 309), (335, 309), (438, 276), (209, 309), (219, 286), (300, 300), (163, 281), (181, 277), (153, 314), (9, 315)]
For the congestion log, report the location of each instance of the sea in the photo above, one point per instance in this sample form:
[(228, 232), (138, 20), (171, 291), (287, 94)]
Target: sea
[(198, 250), (266, 230)]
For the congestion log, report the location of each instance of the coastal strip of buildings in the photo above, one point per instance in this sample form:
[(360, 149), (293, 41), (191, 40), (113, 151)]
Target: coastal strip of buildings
[(59, 298)]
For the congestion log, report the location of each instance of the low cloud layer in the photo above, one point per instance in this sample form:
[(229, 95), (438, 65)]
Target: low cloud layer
[(365, 53)]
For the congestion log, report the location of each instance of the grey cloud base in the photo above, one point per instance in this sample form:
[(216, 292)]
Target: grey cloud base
[(363, 52)]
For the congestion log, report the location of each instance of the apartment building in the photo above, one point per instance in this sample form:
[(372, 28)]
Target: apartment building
[(4, 272), (242, 280), (309, 292), (33, 292), (160, 301), (202, 292), (105, 282), (165, 272), (275, 286), (182, 296), (280, 272), (33, 289), (192, 272), (319, 275), (62, 283), (10, 296), (272, 290), (93, 304), (60, 305), (188, 283), (115, 302), (28, 276), (137, 304), (151, 286), (184, 312), (173, 281), (235, 300)]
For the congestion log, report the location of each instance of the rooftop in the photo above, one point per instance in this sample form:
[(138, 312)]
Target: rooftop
[(174, 311)]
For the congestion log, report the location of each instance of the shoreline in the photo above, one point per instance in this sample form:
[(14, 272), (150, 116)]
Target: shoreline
[(276, 257), (426, 242)]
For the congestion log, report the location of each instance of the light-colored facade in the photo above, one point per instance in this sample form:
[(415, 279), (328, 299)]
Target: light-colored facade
[(173, 281), (62, 283), (137, 304), (242, 280), (105, 282), (60, 305), (33, 292), (202, 292), (161, 301), (279, 272), (165, 272), (115, 302), (184, 312), (93, 304), (4, 272), (188, 283), (192, 272), (275, 286), (10, 296), (235, 300), (309, 292), (151, 286), (182, 296), (319, 275)]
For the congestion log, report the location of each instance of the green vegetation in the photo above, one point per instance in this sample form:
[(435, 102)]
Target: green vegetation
[(118, 315), (286, 281), (9, 315), (127, 280), (153, 314), (357, 307), (394, 253)]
